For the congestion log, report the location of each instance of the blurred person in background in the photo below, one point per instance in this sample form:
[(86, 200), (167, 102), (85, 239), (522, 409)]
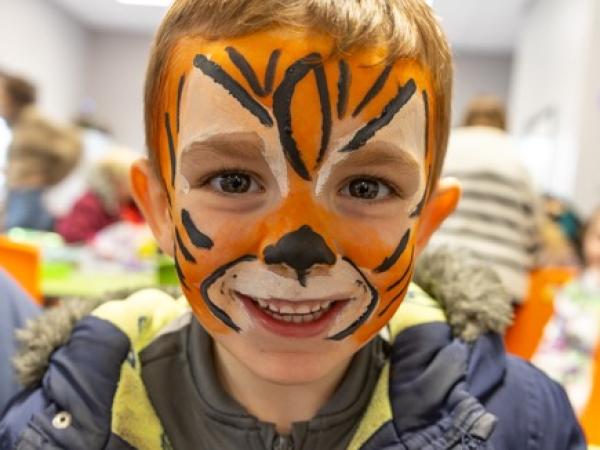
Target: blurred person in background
[(40, 155), (16, 308), (498, 217), (107, 200), (571, 338)]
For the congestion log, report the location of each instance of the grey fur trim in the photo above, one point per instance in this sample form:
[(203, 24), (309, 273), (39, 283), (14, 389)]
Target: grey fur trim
[(42, 336), (470, 292)]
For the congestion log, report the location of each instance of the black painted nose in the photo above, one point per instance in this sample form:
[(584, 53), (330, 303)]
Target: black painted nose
[(300, 250)]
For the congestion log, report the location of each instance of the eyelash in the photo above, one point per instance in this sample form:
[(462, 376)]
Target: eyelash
[(394, 189), (205, 180)]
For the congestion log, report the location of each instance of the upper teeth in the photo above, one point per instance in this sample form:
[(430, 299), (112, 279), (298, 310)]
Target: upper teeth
[(290, 308)]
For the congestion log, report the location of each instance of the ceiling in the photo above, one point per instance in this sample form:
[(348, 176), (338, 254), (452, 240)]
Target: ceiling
[(471, 25)]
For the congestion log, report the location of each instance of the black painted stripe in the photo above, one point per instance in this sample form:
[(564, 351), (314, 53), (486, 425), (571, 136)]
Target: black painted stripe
[(361, 137), (404, 275), (343, 88), (179, 94), (178, 270), (184, 251), (374, 90), (172, 157), (389, 262), (393, 300), (246, 70), (282, 100), (323, 89), (365, 316), (419, 208), (197, 238), (270, 73), (421, 204), (219, 76), (210, 280)]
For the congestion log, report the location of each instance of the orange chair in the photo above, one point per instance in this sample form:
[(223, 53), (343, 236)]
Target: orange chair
[(531, 317), (23, 263)]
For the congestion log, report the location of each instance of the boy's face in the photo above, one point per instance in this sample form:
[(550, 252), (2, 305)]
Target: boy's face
[(296, 182)]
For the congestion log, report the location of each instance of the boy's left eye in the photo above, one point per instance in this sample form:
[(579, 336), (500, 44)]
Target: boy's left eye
[(366, 189)]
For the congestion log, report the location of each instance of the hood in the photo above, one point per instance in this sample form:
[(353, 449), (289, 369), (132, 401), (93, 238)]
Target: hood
[(471, 294)]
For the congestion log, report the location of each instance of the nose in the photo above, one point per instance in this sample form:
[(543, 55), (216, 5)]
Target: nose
[(300, 250)]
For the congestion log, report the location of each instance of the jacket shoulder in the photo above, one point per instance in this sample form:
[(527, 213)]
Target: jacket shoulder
[(72, 405)]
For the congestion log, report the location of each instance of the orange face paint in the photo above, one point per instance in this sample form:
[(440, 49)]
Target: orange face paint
[(305, 127)]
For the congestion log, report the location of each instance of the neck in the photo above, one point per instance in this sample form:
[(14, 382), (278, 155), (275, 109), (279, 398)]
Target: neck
[(270, 401)]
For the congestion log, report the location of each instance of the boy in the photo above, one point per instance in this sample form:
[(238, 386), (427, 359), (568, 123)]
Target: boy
[(294, 152)]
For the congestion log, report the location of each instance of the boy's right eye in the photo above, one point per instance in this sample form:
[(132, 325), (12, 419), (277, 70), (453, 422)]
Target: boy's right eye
[(234, 183)]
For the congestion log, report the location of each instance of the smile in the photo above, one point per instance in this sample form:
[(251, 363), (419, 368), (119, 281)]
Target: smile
[(304, 318)]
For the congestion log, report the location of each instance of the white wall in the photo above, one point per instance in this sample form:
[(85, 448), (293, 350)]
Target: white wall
[(116, 66), (549, 93), (40, 42), (587, 183), (477, 73)]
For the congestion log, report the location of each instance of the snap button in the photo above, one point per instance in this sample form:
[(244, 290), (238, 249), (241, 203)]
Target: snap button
[(61, 420)]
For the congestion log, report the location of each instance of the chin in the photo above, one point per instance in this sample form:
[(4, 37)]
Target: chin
[(278, 362)]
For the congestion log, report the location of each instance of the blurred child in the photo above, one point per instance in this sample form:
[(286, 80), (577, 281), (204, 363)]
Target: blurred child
[(40, 155), (572, 336), (107, 200)]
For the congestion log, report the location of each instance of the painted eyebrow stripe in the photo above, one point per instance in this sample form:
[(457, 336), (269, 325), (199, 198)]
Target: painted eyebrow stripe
[(282, 99), (270, 73), (404, 94), (198, 238), (184, 251), (344, 81), (210, 280), (179, 93), (172, 157), (374, 90), (363, 318), (391, 260), (321, 79), (219, 76)]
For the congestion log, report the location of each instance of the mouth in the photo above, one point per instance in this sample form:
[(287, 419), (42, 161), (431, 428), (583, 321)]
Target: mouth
[(307, 318)]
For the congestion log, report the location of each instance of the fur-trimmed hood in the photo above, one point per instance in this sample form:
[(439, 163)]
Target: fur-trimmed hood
[(470, 293)]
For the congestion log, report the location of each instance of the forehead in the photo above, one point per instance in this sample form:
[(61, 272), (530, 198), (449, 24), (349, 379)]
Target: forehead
[(292, 80)]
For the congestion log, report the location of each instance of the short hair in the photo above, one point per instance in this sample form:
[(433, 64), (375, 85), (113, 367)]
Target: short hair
[(406, 28), (21, 92), (485, 110)]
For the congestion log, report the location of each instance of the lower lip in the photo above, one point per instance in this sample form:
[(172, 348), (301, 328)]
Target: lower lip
[(291, 329)]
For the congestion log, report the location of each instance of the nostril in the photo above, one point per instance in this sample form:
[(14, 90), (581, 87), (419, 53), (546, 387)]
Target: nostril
[(300, 250)]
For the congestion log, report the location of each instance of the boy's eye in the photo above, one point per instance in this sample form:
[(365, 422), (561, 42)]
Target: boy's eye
[(234, 183), (367, 189)]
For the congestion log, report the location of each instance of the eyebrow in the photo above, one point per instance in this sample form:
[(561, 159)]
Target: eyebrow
[(241, 146), (384, 153)]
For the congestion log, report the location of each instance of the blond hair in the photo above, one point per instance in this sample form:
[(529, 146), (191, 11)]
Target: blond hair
[(406, 28)]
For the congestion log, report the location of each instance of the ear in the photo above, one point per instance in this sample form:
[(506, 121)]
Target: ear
[(441, 204), (151, 198)]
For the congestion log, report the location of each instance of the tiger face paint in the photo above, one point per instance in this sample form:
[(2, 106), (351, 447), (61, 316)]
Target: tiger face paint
[(295, 181)]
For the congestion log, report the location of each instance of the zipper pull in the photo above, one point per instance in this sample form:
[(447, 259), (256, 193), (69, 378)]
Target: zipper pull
[(283, 443)]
